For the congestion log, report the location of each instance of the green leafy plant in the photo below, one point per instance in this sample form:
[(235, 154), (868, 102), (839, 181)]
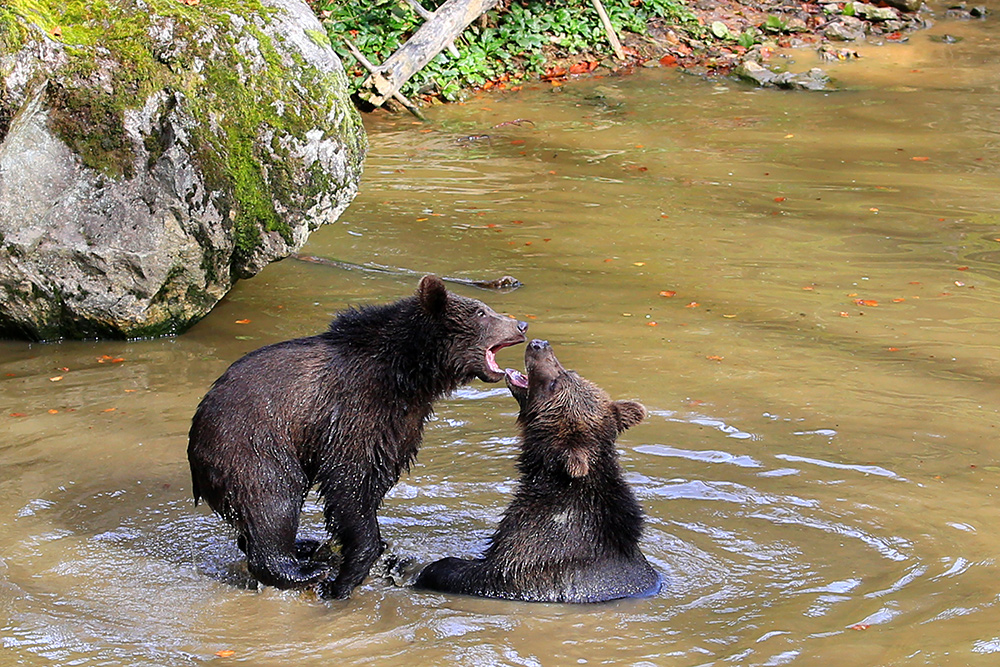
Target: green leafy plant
[(515, 43)]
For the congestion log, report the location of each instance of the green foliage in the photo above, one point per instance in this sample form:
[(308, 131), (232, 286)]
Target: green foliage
[(775, 23), (749, 37), (515, 43)]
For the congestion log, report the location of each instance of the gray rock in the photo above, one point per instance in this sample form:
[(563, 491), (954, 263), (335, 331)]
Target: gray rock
[(905, 5), (140, 178), (845, 29), (873, 13), (753, 72)]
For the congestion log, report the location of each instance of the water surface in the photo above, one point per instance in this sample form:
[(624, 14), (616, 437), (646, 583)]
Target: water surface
[(819, 466)]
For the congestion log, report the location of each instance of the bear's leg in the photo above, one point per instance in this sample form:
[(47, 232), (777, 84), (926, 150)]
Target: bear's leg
[(270, 524), (361, 545), (456, 575)]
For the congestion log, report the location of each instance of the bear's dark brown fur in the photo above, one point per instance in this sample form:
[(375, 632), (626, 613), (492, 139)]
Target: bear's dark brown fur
[(343, 411), (571, 533)]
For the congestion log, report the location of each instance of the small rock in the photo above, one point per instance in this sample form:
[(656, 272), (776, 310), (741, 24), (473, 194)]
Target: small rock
[(905, 5), (873, 13), (845, 29)]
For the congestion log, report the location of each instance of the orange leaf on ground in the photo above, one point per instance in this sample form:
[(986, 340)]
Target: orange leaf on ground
[(668, 61), (871, 303), (668, 293)]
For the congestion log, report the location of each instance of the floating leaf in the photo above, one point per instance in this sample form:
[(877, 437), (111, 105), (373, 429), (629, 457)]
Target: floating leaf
[(920, 159), (53, 412), (871, 303), (779, 199), (225, 653), (56, 378), (714, 357), (668, 293), (693, 304), (18, 414), (242, 321)]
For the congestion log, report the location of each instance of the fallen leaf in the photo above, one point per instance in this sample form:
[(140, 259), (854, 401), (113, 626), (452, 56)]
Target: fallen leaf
[(808, 288), (242, 322), (714, 357), (779, 199), (871, 303), (860, 626), (18, 414), (844, 313), (225, 653), (421, 219), (639, 263), (963, 268), (920, 159), (517, 142), (651, 324), (959, 283), (668, 293), (109, 410), (693, 304), (668, 61), (64, 369), (894, 349), (898, 300), (53, 412), (56, 378)]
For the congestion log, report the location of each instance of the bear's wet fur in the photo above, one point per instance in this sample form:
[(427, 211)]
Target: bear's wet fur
[(571, 533), (342, 411)]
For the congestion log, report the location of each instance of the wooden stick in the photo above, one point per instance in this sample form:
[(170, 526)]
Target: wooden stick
[(426, 15), (445, 25), (398, 96), (609, 29)]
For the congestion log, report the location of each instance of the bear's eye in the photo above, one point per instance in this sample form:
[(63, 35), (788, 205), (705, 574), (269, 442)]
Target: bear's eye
[(481, 313)]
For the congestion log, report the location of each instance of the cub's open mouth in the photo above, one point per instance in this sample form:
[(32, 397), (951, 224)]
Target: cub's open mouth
[(516, 378)]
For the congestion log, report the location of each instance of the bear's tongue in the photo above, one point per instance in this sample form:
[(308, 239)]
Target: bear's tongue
[(516, 378), (491, 360)]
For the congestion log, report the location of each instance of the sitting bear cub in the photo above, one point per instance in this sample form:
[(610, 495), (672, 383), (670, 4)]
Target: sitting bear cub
[(343, 411), (571, 533)]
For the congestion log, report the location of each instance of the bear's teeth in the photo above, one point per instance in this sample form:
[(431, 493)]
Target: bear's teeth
[(517, 378)]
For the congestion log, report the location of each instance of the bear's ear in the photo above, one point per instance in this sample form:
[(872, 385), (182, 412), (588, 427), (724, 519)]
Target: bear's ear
[(433, 295), (577, 464), (627, 413)]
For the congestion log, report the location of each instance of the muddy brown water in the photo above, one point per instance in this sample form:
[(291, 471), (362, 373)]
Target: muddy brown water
[(820, 475)]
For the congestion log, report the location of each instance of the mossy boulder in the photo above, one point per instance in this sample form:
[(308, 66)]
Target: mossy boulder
[(153, 152)]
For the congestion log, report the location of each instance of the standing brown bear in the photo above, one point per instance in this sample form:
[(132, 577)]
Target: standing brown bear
[(343, 411), (571, 533)]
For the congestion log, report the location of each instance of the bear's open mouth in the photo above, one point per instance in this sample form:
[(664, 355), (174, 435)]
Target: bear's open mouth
[(491, 357), (516, 378)]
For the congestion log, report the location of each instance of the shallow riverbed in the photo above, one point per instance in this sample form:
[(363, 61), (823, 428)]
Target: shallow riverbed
[(802, 288)]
